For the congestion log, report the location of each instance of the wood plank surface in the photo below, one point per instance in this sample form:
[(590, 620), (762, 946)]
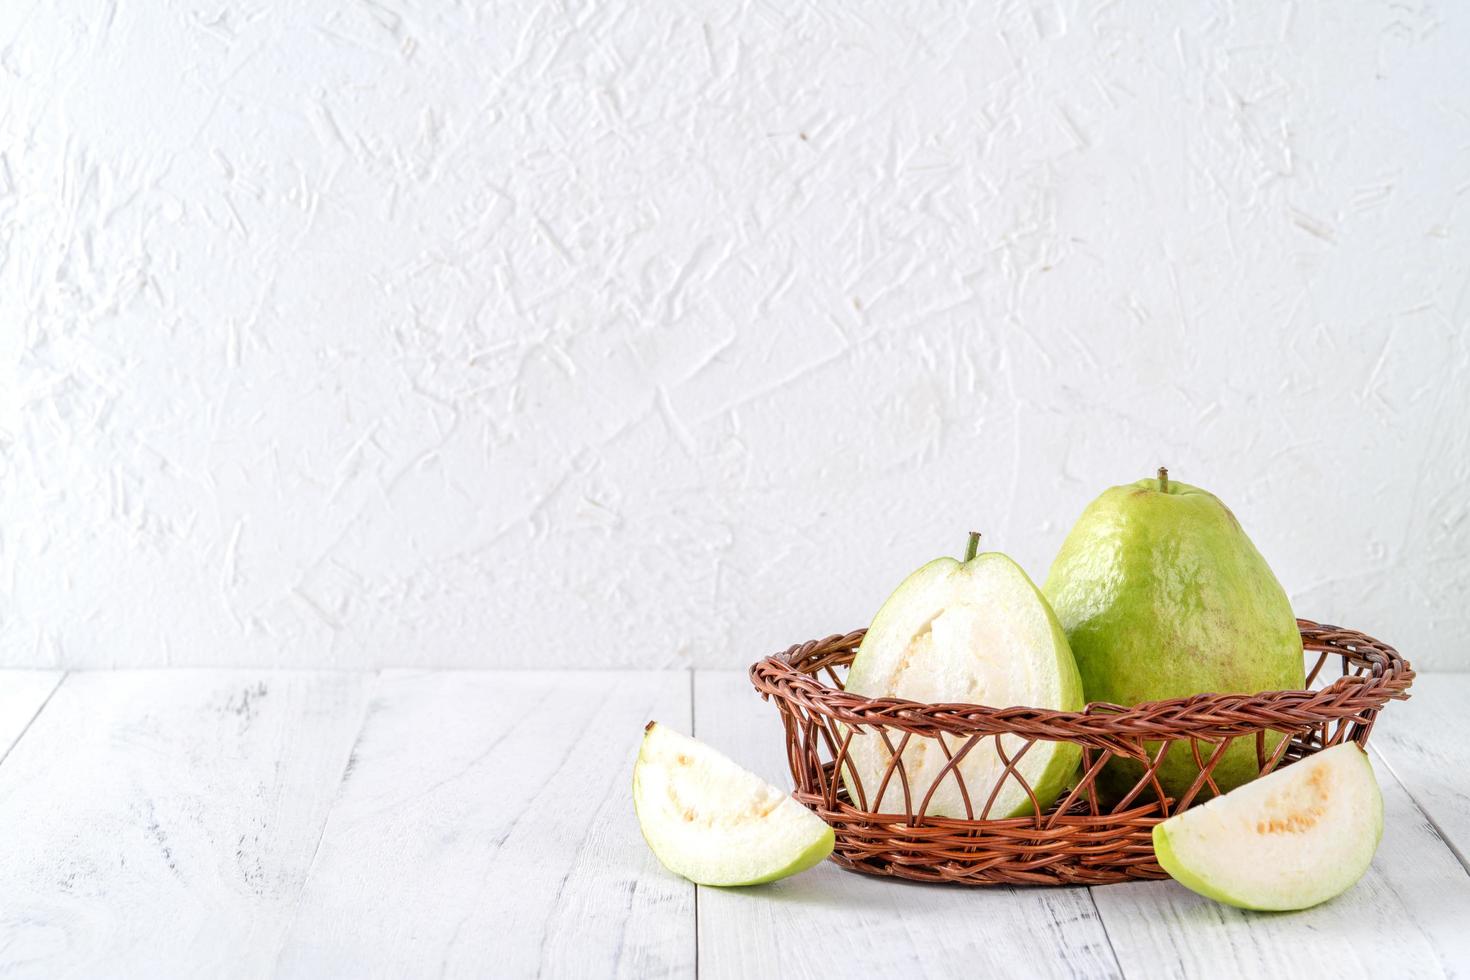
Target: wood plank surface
[(1407, 917), (249, 823), (1426, 742), (160, 823), (486, 828), (22, 693), (830, 923)]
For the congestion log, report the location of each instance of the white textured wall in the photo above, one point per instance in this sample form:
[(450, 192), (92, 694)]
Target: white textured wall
[(646, 333)]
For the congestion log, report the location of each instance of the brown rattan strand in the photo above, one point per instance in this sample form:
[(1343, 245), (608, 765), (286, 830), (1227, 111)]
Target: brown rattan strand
[(1387, 676), (1083, 838)]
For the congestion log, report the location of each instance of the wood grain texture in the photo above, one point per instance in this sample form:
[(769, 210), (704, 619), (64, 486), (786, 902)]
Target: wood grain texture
[(22, 693), (201, 823), (160, 823), (1406, 917), (486, 827), (830, 922), (1426, 742)]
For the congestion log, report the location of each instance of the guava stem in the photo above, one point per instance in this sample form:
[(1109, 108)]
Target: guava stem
[(973, 548), (1163, 479)]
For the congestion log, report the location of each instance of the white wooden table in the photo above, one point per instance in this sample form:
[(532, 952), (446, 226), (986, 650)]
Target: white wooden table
[(252, 823)]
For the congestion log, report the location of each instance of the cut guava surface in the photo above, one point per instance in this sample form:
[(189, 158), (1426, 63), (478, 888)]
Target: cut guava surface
[(1289, 840), (715, 823), (973, 632)]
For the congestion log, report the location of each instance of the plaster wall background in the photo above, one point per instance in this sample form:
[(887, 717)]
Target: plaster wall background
[(622, 334)]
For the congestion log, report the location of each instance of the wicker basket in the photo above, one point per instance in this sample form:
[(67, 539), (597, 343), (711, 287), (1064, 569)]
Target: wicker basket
[(1081, 838)]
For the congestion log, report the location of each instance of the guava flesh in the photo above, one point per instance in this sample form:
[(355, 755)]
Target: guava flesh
[(716, 823), (1290, 840), (972, 632)]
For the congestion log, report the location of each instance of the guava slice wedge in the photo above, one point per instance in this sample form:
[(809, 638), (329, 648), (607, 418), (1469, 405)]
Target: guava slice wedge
[(1289, 840), (715, 823), (976, 631)]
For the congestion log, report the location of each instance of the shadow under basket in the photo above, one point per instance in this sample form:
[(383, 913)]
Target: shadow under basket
[(1088, 835)]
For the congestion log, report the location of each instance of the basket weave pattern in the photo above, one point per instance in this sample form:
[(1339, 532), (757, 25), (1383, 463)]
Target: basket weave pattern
[(1083, 837)]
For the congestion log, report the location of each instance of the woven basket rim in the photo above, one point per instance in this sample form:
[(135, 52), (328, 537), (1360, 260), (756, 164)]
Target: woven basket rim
[(1387, 677)]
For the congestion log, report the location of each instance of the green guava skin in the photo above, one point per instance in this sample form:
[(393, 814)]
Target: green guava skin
[(1162, 595)]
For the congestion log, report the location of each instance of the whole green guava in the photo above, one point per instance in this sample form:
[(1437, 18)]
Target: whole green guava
[(1162, 595)]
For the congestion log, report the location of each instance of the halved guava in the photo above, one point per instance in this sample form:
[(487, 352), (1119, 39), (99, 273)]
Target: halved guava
[(977, 632), (1289, 840), (715, 823)]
